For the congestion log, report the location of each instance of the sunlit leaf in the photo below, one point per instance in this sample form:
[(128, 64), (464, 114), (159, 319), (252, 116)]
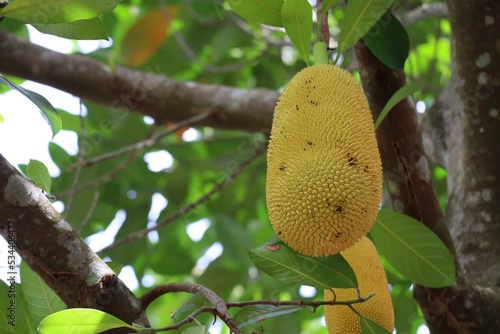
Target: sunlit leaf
[(360, 16), (146, 36), (388, 41), (42, 300), (38, 173), (369, 326), (260, 11), (297, 20), (251, 314), (282, 263), (48, 111), (413, 249), (80, 321), (401, 94), (56, 11), (80, 29)]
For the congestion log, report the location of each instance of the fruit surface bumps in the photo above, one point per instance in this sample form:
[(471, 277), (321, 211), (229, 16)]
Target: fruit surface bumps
[(370, 274), (324, 174)]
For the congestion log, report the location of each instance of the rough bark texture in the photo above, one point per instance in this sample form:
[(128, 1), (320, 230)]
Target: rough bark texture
[(61, 258), (126, 90), (473, 138)]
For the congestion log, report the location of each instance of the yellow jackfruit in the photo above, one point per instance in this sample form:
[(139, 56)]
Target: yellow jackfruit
[(370, 274), (324, 175)]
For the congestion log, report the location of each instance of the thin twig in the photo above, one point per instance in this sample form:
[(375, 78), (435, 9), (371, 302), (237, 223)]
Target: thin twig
[(205, 197), (146, 143), (221, 307), (83, 151)]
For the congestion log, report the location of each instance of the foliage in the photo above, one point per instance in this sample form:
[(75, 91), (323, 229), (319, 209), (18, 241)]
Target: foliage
[(205, 41)]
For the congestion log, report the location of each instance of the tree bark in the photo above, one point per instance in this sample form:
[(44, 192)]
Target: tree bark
[(51, 247), (473, 139)]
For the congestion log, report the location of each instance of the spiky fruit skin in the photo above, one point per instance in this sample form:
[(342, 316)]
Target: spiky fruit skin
[(324, 175), (370, 274)]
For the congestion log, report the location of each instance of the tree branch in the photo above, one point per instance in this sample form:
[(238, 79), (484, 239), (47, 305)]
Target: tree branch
[(433, 9), (124, 90), (221, 307), (51, 248)]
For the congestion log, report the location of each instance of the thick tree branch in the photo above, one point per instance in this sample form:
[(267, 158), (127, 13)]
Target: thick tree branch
[(125, 90), (56, 252)]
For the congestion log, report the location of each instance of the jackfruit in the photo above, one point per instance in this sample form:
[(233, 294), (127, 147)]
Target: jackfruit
[(370, 274), (324, 174)]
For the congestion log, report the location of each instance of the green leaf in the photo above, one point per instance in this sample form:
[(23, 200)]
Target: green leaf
[(39, 174), (42, 300), (80, 321), (320, 53), (297, 20), (17, 317), (56, 11), (327, 5), (285, 265), (369, 326), (260, 11), (251, 314), (48, 111), (360, 17), (401, 94), (413, 249), (195, 302), (200, 329), (388, 41), (79, 29)]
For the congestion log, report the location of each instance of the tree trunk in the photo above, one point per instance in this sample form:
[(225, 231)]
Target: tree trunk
[(472, 138)]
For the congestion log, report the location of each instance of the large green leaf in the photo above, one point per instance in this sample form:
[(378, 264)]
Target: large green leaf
[(297, 20), (401, 94), (79, 29), (284, 264), (260, 11), (80, 321), (48, 111), (56, 11), (360, 17), (369, 326), (388, 41), (413, 249), (251, 314), (38, 173), (42, 301)]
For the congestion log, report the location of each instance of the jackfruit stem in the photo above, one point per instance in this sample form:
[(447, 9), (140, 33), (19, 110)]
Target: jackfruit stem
[(320, 53)]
